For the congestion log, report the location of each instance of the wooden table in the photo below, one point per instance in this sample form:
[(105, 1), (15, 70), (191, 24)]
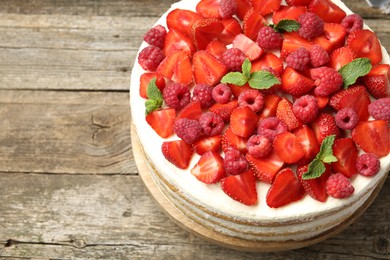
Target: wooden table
[(69, 187)]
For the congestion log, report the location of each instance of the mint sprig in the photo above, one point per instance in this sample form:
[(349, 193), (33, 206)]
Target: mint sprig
[(155, 99), (353, 70), (258, 79), (286, 25)]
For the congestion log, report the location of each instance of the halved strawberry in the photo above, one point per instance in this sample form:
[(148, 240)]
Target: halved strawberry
[(191, 111), (237, 90), (332, 38), (346, 153), (209, 169), (166, 115), (377, 81), (271, 102), (295, 83), (323, 126), (289, 13), (309, 143), (285, 113), (214, 9), (327, 10), (177, 152), (205, 31), (285, 189), (176, 41), (365, 44), (288, 147), (232, 28), (252, 23), (265, 168), (229, 139), (224, 110), (298, 2), (146, 78), (268, 60), (241, 187), (208, 143), (341, 57), (250, 48), (177, 67), (292, 41), (316, 188), (265, 7), (207, 69), (182, 20), (216, 48), (322, 101), (373, 137), (243, 121)]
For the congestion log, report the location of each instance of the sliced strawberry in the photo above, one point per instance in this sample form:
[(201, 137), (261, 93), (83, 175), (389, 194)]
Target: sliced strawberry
[(373, 137), (332, 38), (213, 9), (191, 111), (176, 41), (327, 10), (295, 83), (205, 31), (322, 101), (144, 82), (292, 41), (232, 28), (207, 69), (377, 81), (346, 153), (285, 113), (316, 188), (216, 48), (166, 115), (243, 6), (288, 147), (229, 139), (177, 152), (365, 44), (224, 110), (208, 143), (268, 60), (182, 20), (252, 23), (341, 57), (265, 168), (298, 2), (177, 67), (285, 189), (243, 121), (309, 143), (265, 7), (325, 125), (237, 90), (209, 169), (271, 102), (289, 13), (250, 48), (241, 187)]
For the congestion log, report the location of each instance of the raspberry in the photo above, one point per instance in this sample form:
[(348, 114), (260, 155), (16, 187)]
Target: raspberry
[(269, 39), (188, 130), (298, 59), (352, 22), (305, 108), (221, 93), (203, 94), (327, 80), (176, 95), (338, 186), (156, 36), (234, 162), (212, 124), (150, 57), (346, 119), (311, 25), (380, 109), (368, 164), (271, 126), (259, 146), (318, 56), (251, 98), (233, 59), (227, 8)]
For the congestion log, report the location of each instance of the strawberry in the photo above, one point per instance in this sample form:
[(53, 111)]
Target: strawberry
[(216, 48), (322, 101), (295, 83), (232, 28), (323, 126), (207, 69), (271, 102), (346, 153), (144, 82), (327, 10), (177, 152), (166, 115), (373, 137), (265, 168), (243, 6), (292, 41), (288, 147), (250, 48), (229, 139), (332, 38), (268, 60), (182, 20), (243, 121), (205, 31), (224, 110), (177, 67), (285, 113), (209, 169), (241, 187), (216, 8), (316, 188), (176, 41), (309, 143), (341, 57), (237, 90), (377, 81), (289, 13), (298, 2), (191, 111), (208, 143), (252, 23), (265, 7), (365, 44), (285, 189)]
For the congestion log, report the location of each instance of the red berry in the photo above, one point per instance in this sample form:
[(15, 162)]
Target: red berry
[(224, 110), (298, 59), (177, 152), (251, 98), (271, 126), (176, 95), (209, 169), (188, 130), (269, 39), (221, 93), (380, 109), (346, 119), (305, 108), (327, 81), (352, 22), (212, 124), (217, 8), (150, 57), (233, 59), (156, 36), (243, 121), (259, 146), (338, 186), (318, 56), (325, 125), (235, 162), (288, 147), (202, 93), (311, 25), (368, 164)]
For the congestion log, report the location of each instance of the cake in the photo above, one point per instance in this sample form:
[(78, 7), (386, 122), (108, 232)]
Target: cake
[(274, 194)]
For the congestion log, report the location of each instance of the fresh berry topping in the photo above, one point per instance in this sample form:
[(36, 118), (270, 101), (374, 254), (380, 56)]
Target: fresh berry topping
[(284, 112), (298, 2), (177, 152), (233, 59), (365, 44), (202, 93), (288, 13), (250, 48), (327, 80), (288, 147), (191, 111), (305, 108), (268, 60), (340, 57), (188, 130), (243, 6), (380, 109), (259, 146), (338, 186), (144, 82), (224, 110), (221, 93), (228, 8), (252, 23), (206, 30), (231, 140), (209, 169), (346, 119), (177, 41), (377, 81), (309, 143), (314, 187), (318, 56), (292, 41), (243, 121), (368, 164), (327, 10), (156, 36), (235, 162), (176, 95), (332, 38), (265, 7), (216, 48), (182, 20), (251, 98), (241, 187), (208, 143), (265, 168), (311, 25), (296, 84), (346, 153), (325, 125), (150, 57), (212, 124), (298, 59), (232, 28), (217, 8), (271, 127), (207, 69), (269, 39), (166, 115), (177, 67), (352, 22)]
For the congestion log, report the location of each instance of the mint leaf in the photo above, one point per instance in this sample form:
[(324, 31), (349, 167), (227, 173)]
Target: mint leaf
[(287, 26), (246, 68), (326, 151), (262, 80), (355, 69), (151, 105), (236, 78), (315, 170), (153, 91)]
